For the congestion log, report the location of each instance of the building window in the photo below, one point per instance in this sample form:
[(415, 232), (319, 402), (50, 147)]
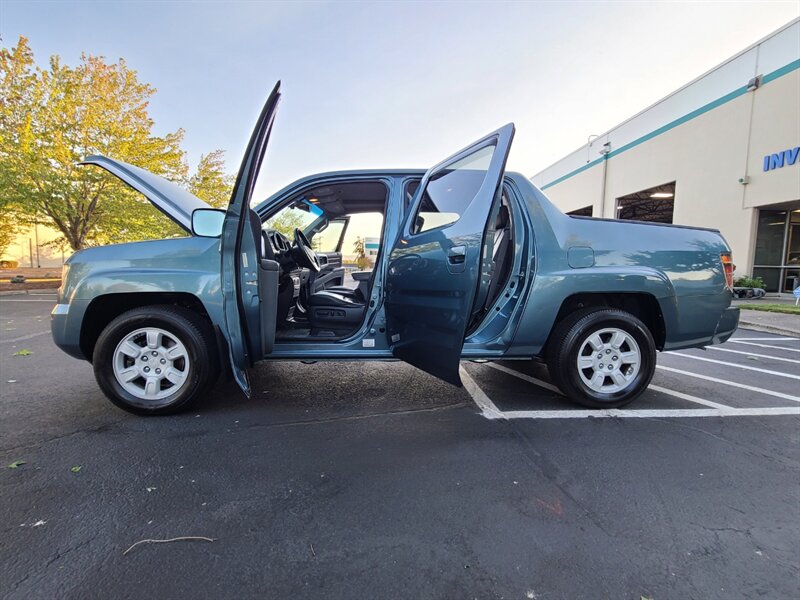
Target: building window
[(777, 253), (655, 204), (586, 211)]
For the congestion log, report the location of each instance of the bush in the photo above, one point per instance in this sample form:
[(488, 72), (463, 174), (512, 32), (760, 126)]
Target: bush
[(8, 264), (749, 282)]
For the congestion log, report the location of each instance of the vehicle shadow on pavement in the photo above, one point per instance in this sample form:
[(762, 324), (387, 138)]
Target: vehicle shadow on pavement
[(329, 390)]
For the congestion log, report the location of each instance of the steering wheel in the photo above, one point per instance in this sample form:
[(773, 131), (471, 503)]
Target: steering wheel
[(303, 254)]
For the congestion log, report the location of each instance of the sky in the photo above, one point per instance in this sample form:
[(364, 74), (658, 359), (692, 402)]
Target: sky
[(396, 84)]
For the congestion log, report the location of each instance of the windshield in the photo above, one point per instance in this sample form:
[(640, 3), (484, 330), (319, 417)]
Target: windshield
[(297, 215)]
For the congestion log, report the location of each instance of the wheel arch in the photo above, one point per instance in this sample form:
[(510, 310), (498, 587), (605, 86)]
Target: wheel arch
[(105, 308), (642, 305)]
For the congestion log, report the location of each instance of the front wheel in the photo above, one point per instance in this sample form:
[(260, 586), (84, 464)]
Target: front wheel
[(602, 358), (155, 360)]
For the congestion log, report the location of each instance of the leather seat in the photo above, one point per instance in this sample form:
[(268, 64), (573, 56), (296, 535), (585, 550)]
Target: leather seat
[(328, 309), (354, 293), (331, 297)]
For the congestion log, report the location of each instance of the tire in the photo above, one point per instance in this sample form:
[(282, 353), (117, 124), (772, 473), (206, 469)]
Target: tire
[(155, 360), (615, 367)]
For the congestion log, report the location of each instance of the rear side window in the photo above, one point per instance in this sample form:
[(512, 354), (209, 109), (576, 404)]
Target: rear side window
[(451, 190)]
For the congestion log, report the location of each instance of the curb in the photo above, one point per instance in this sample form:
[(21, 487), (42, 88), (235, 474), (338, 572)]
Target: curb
[(33, 292), (768, 328)]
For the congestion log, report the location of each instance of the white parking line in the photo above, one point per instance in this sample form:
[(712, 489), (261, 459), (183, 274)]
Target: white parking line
[(731, 383), (528, 378), (791, 360), (688, 397), (655, 388), (769, 339), (738, 366), (490, 410), (487, 407), (650, 414), (766, 346)]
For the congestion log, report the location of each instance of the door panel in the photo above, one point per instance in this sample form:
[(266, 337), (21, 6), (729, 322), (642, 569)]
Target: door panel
[(244, 277), (331, 273), (435, 265)]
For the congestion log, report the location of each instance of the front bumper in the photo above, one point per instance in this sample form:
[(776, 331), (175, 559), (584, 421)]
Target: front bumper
[(65, 335)]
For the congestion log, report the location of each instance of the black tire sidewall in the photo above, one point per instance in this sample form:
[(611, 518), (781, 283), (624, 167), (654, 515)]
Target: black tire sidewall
[(567, 376), (183, 326)]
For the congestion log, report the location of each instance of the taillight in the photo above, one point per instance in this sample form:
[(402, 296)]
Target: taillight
[(727, 267)]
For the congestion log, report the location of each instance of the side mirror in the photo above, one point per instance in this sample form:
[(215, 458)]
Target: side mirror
[(207, 222)]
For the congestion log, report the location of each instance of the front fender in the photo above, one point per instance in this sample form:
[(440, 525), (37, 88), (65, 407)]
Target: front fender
[(69, 316)]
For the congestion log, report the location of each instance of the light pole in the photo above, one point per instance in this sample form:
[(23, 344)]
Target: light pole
[(36, 235)]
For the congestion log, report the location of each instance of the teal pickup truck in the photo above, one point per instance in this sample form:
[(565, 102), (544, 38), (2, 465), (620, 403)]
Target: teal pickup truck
[(473, 263)]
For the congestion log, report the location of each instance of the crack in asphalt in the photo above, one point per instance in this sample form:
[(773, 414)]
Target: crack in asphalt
[(550, 473), (749, 450), (389, 413), (22, 338), (301, 422), (96, 429), (59, 554)]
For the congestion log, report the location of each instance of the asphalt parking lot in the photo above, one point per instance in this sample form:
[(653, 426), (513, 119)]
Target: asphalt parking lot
[(374, 480)]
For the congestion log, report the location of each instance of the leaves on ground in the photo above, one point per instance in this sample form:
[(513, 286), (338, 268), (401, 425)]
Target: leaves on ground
[(76, 469), (16, 464), (23, 352)]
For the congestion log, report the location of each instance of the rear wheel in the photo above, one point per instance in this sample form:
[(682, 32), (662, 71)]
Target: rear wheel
[(155, 360), (602, 358)]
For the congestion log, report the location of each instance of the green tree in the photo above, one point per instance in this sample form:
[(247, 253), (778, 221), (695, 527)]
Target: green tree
[(52, 118), (210, 182)]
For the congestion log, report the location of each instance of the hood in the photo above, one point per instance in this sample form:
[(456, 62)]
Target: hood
[(168, 197)]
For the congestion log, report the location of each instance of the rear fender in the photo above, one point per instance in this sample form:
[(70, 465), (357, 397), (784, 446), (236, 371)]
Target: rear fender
[(550, 290)]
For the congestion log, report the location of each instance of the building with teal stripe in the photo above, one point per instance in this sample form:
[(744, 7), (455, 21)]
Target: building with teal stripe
[(723, 151)]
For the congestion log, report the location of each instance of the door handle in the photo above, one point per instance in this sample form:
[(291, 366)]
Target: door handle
[(457, 255)]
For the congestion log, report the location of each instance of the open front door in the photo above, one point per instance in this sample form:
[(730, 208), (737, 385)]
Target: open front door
[(246, 278), (434, 270)]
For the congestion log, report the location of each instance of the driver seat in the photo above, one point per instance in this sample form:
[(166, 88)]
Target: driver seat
[(329, 309)]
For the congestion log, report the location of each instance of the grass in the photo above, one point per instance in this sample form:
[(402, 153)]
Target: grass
[(787, 309)]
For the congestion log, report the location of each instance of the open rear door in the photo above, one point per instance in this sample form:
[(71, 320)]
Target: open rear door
[(435, 265), (245, 277)]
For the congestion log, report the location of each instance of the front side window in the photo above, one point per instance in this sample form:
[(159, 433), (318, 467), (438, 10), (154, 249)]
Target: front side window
[(326, 239), (451, 190)]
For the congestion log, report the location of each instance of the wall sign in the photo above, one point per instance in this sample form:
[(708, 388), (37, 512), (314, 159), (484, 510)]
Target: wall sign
[(781, 159)]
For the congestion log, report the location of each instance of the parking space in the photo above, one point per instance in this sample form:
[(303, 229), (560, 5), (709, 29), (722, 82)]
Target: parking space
[(721, 381), (356, 479)]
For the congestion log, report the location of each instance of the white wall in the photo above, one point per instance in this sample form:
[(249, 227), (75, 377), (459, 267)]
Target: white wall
[(705, 137)]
